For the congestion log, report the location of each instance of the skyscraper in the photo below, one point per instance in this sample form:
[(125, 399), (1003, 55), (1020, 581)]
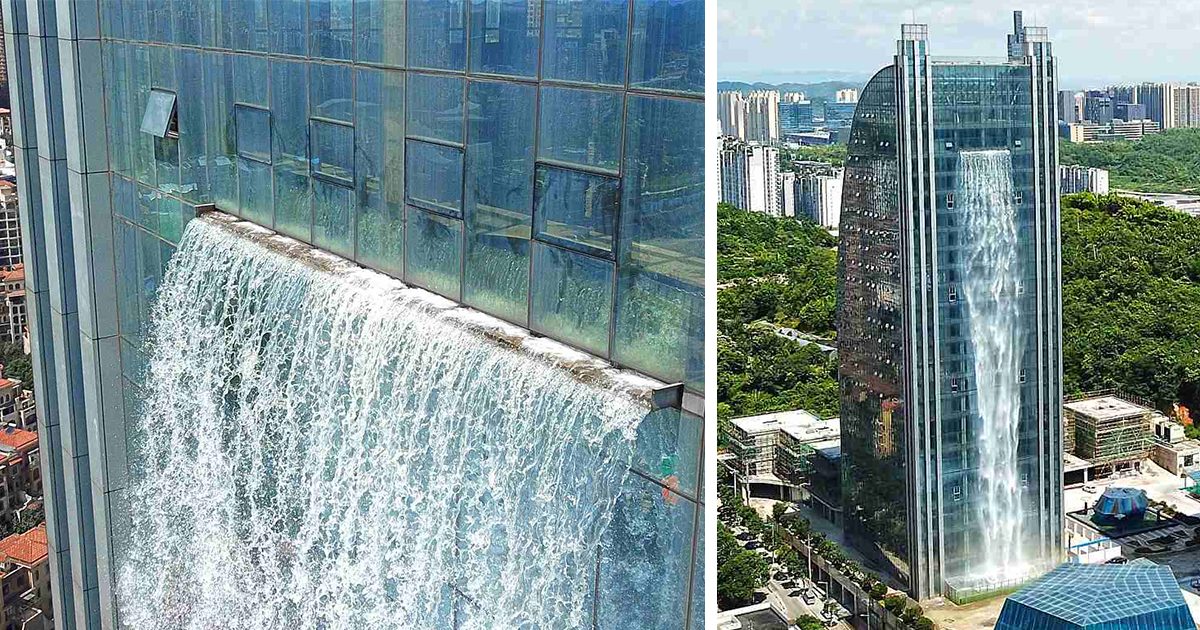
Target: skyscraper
[(538, 165), (949, 318), (750, 177)]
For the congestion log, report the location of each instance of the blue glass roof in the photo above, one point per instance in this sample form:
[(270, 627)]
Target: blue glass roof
[(1093, 595)]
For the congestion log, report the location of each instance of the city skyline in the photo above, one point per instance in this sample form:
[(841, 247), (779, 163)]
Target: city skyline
[(758, 42)]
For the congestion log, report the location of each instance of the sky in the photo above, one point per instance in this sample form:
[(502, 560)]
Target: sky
[(1097, 42)]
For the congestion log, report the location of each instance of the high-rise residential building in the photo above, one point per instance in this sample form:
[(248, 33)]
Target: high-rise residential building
[(749, 176), (539, 164), (1075, 178), (1157, 99), (949, 319), (1069, 106), (1184, 107), (762, 117), (848, 95), (731, 112), (1129, 111), (818, 192), (1124, 94), (1097, 107), (795, 114), (787, 193)]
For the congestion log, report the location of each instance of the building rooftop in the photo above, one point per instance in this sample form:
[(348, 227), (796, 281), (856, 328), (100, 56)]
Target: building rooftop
[(1106, 407), (829, 449), (1099, 595), (27, 549), (796, 422), (14, 439)]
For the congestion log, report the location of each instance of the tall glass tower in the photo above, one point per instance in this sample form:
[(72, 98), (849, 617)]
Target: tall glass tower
[(538, 161), (949, 318)]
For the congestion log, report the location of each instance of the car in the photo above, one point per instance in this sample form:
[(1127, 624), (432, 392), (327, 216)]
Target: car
[(794, 593), (744, 536), (809, 597), (1118, 560), (1089, 488), (752, 544)]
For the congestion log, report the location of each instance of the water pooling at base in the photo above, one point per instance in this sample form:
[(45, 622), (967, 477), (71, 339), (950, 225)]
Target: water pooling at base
[(992, 273), (321, 450)]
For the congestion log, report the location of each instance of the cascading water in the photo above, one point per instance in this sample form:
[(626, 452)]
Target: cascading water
[(329, 450), (992, 271)]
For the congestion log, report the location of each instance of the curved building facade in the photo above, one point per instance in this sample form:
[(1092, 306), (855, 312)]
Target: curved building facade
[(949, 318)]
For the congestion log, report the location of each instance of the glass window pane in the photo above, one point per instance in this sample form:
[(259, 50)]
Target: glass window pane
[(433, 252), (660, 297), (436, 35), (572, 297), (255, 191), (581, 127), (293, 202), (434, 176), (331, 24), (646, 558), (668, 448), (499, 198), (576, 210), (193, 177), (253, 133), (219, 126), (435, 107), (160, 109), (585, 41), (380, 27), (332, 92), (504, 36), (379, 168), (288, 27), (332, 217), (333, 151), (242, 24), (673, 59), (289, 147)]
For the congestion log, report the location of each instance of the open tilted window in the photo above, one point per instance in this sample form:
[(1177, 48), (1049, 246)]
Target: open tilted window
[(159, 118)]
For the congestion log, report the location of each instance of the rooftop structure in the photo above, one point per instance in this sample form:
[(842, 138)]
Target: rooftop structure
[(1099, 596), (1108, 429)]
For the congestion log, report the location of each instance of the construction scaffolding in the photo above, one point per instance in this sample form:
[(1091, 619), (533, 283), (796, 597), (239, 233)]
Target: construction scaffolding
[(1109, 429)]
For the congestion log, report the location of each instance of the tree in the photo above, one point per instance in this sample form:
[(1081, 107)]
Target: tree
[(777, 511), (808, 622), (878, 591), (912, 614), (895, 604), (738, 577), (16, 364)]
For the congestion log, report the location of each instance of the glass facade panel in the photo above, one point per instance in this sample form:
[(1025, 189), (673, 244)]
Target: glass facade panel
[(333, 214), (585, 41), (333, 151), (160, 109), (253, 133), (581, 127), (498, 197), (576, 209), (437, 34), (379, 168), (290, 147), (288, 29), (435, 107), (660, 296), (381, 33), (674, 58), (504, 36), (433, 251), (434, 176), (572, 297), (331, 28)]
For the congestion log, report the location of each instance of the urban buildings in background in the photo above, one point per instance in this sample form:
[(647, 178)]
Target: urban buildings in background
[(1127, 112), (753, 178), (774, 118), (1075, 179), (349, 130), (939, 374)]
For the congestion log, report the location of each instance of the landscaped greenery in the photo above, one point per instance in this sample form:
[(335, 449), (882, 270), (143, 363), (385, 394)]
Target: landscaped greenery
[(783, 272), (832, 153), (16, 364), (740, 572), (1165, 162)]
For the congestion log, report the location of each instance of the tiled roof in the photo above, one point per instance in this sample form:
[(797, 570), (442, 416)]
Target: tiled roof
[(18, 439), (28, 548)]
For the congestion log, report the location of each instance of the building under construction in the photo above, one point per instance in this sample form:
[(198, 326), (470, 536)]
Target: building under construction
[(1108, 430)]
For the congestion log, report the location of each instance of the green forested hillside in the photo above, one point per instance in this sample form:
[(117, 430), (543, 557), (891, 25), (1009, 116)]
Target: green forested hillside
[(1165, 162), (1131, 305)]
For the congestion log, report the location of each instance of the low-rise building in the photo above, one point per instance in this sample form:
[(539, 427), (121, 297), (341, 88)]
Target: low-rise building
[(1111, 432), (1109, 131), (12, 305), (20, 471), (774, 452), (1171, 449), (25, 581)]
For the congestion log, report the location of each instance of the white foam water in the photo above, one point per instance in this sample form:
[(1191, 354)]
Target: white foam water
[(990, 288), (321, 449)]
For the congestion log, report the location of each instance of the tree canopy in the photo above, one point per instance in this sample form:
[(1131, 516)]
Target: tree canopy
[(1164, 162), (739, 572)]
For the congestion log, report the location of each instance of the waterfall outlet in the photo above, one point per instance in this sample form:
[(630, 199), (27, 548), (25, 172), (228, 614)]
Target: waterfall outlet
[(992, 272), (330, 450)]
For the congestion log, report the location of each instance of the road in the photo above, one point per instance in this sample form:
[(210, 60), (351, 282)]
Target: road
[(795, 606)]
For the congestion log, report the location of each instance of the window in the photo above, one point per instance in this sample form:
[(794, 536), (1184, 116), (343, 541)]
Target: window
[(949, 200), (434, 177), (1017, 199), (1021, 376), (159, 118), (332, 151), (953, 294), (253, 130), (575, 209), (581, 127)]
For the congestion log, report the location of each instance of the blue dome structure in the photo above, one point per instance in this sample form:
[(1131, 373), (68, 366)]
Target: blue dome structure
[(1124, 505), (1099, 597)]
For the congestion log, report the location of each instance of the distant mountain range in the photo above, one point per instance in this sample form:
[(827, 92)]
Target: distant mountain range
[(820, 91)]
